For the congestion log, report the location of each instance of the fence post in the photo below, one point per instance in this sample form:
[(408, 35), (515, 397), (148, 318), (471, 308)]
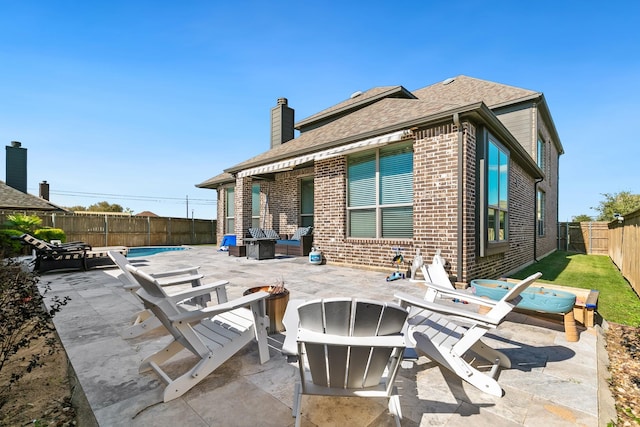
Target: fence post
[(148, 231), (106, 231)]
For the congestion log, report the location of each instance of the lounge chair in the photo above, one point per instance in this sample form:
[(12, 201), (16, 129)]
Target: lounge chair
[(145, 321), (212, 334), (345, 347), (68, 256), (447, 334)]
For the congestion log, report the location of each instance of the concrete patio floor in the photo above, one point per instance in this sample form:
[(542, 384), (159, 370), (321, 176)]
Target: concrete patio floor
[(552, 382)]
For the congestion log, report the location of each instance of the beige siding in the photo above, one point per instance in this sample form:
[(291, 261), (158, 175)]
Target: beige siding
[(519, 120)]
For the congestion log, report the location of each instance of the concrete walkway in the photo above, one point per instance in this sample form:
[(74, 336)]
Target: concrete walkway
[(552, 382)]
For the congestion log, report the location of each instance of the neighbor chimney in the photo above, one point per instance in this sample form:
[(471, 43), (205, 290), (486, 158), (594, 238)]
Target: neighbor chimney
[(44, 190), (281, 123), (17, 166)]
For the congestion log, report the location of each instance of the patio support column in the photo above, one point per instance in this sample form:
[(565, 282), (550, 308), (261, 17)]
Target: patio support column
[(242, 206)]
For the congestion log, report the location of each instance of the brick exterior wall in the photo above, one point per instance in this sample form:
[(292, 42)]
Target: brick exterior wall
[(435, 208), (279, 204), (521, 230)]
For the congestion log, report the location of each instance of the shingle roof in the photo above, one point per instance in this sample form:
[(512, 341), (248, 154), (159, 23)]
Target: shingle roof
[(463, 90), (356, 101), (380, 110), (213, 182), (11, 199), (371, 120)]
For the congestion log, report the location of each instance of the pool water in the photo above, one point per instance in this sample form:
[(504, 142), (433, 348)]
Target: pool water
[(152, 250)]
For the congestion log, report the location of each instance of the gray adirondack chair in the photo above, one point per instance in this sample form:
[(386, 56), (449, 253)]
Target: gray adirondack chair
[(144, 320), (213, 334), (345, 347), (451, 336)]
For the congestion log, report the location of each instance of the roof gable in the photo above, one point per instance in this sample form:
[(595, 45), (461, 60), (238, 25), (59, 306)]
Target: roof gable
[(357, 101)]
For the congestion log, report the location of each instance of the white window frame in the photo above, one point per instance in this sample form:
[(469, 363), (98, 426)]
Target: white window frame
[(229, 210), (541, 207), (304, 215), (541, 154), (377, 205), (255, 200)]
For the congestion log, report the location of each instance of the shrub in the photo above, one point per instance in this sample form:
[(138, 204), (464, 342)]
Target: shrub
[(9, 245), (50, 234), (23, 320), (25, 223)]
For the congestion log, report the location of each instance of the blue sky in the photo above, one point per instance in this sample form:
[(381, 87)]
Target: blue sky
[(135, 102)]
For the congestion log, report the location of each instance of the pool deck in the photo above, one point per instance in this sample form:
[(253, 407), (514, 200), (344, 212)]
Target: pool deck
[(552, 382)]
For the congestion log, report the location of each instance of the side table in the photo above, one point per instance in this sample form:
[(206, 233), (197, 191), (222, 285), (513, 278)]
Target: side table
[(260, 248)]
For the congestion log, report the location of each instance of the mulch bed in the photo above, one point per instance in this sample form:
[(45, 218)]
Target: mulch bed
[(623, 348)]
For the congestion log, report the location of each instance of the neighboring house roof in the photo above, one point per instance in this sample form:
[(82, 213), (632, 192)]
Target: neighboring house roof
[(146, 213), (12, 199), (382, 110)]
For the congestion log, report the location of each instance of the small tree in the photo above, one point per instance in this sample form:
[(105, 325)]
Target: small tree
[(105, 207), (582, 218), (623, 203), (25, 223)]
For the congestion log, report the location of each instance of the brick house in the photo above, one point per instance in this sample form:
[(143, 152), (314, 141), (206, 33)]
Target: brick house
[(466, 166)]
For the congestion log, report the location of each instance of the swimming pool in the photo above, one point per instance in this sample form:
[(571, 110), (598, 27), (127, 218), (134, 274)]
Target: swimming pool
[(152, 250)]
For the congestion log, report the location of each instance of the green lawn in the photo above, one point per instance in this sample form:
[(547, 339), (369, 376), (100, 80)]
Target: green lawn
[(618, 302)]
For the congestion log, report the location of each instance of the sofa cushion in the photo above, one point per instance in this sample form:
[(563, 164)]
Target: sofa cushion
[(288, 242), (257, 233), (302, 231), (271, 234)]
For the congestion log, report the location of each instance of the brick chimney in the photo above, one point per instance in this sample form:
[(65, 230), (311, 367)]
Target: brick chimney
[(17, 166), (44, 190), (281, 123)]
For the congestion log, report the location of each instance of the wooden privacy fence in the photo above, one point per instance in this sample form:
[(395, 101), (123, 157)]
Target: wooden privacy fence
[(584, 237), (125, 230), (624, 247)]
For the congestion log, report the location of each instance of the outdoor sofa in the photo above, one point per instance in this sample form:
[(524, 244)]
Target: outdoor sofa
[(296, 244)]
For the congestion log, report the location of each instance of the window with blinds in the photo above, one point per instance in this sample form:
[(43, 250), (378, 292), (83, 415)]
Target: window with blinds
[(255, 206), (380, 193), (306, 202), (230, 210)]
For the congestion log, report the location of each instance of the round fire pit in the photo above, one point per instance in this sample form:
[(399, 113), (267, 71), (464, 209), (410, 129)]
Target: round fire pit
[(275, 305)]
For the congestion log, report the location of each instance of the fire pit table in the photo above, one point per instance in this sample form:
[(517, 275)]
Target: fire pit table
[(260, 248)]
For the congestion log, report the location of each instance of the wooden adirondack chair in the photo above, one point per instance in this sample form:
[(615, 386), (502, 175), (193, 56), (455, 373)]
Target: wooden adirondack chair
[(346, 347), (144, 320), (447, 334), (213, 334)]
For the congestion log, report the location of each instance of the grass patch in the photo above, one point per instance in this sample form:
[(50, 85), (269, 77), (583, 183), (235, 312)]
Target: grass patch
[(618, 302)]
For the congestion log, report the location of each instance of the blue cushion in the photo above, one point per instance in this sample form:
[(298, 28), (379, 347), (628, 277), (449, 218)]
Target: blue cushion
[(288, 242)]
